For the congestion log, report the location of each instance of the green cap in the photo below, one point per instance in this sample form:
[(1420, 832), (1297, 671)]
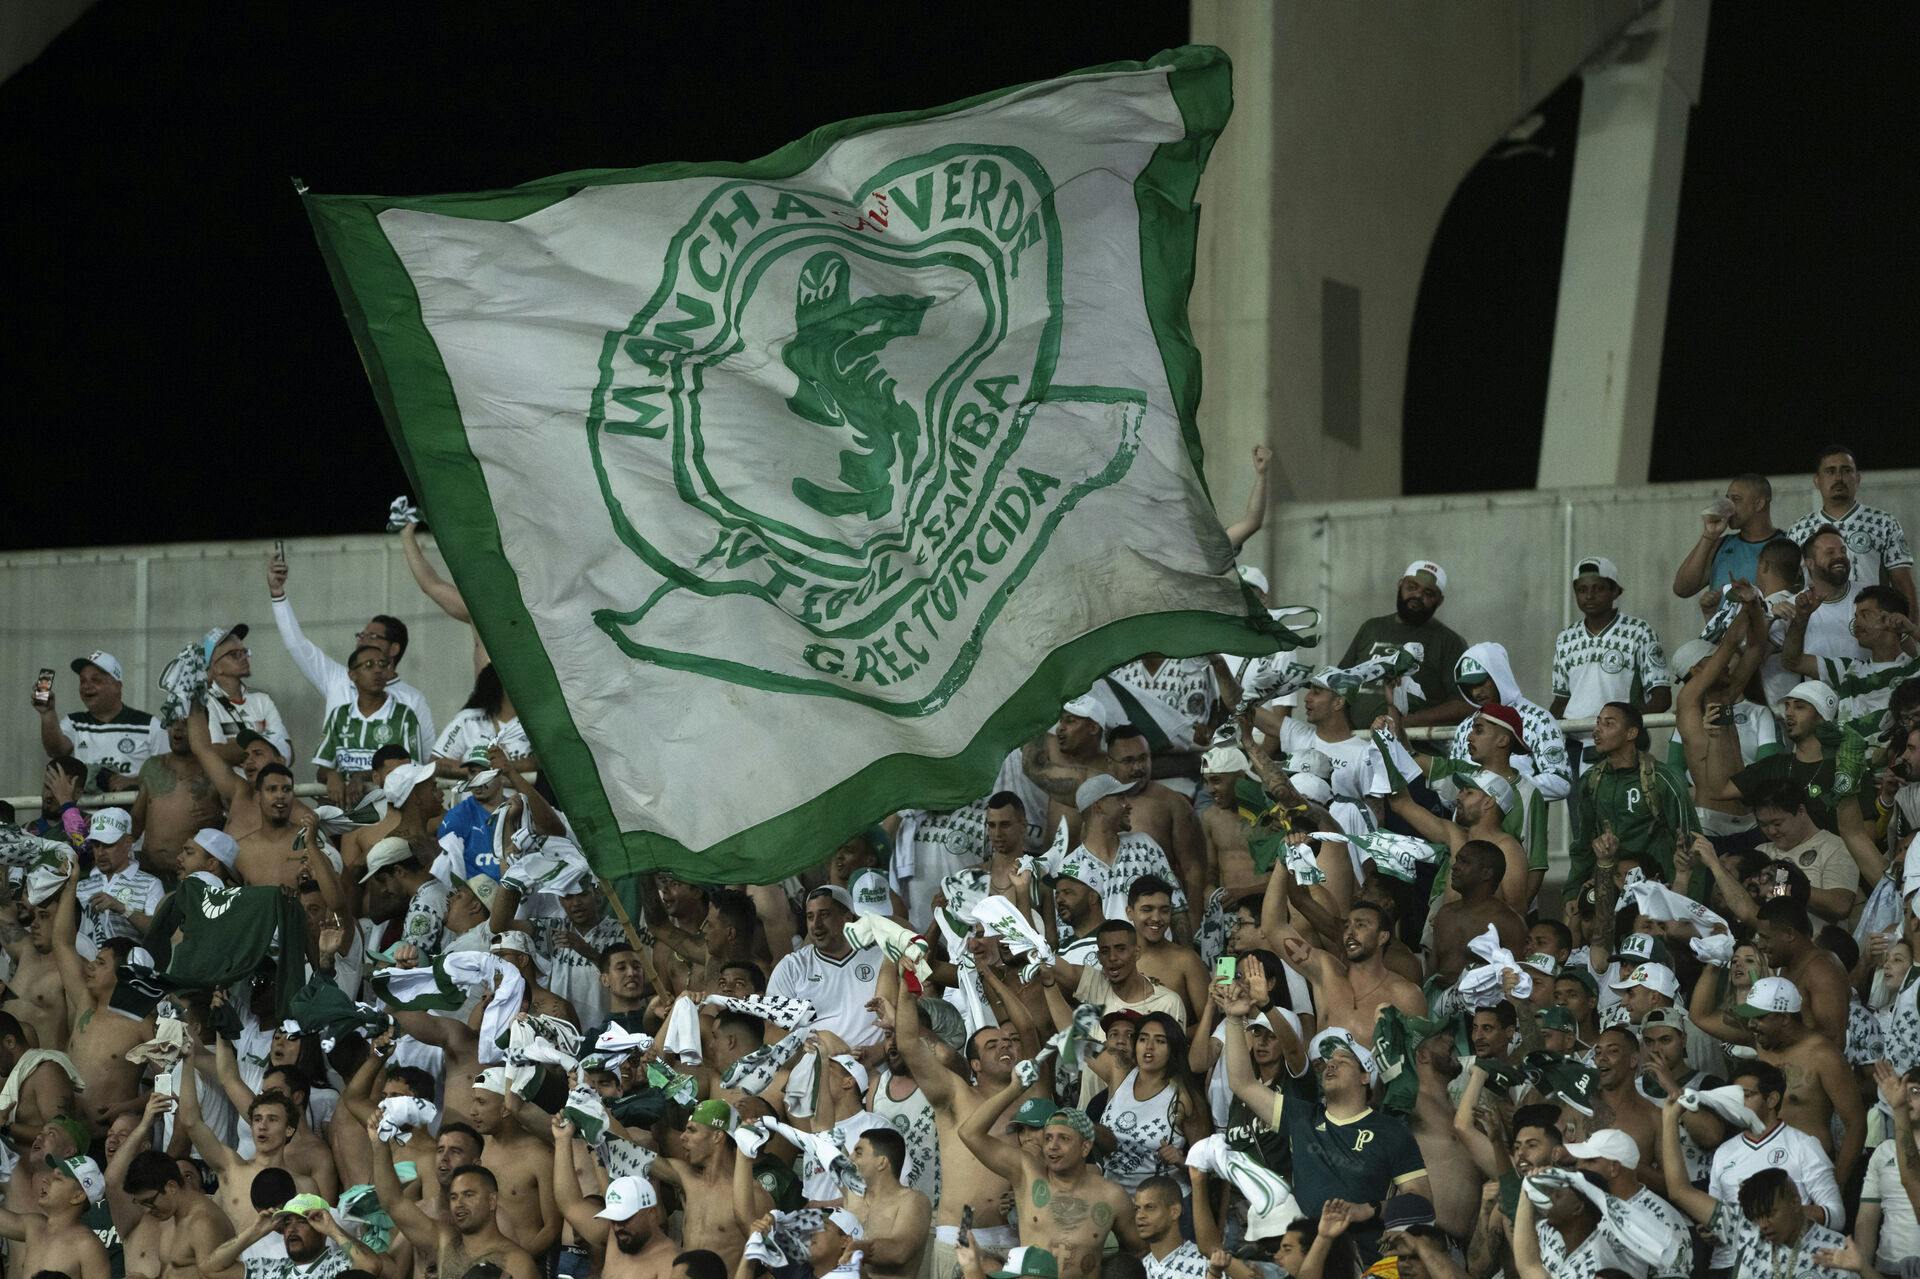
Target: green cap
[(713, 1113), (1584, 975), (1033, 1113), (1069, 1117), (75, 1130), (1027, 1262), (1557, 1018), (301, 1205)]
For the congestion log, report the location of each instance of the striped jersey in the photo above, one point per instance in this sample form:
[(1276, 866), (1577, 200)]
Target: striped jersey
[(349, 739), (1865, 688), (114, 749)]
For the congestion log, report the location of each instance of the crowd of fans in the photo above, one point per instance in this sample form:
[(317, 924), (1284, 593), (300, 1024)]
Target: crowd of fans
[(1229, 975)]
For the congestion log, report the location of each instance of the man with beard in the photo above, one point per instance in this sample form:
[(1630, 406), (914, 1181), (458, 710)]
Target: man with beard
[(1819, 1082), (1876, 544), (1059, 760), (899, 1099), (467, 1232), (176, 799), (1729, 546), (1159, 811), (1348, 992), (1080, 907), (315, 1245), (1107, 833), (287, 845), (34, 995), (681, 911), (630, 1221), (1482, 802), (966, 1179), (1413, 625), (1823, 613)]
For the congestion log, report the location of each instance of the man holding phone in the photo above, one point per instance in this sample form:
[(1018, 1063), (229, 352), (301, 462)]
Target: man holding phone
[(111, 738)]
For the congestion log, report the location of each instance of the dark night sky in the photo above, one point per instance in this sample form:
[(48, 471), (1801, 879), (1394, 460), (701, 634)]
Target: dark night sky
[(173, 329)]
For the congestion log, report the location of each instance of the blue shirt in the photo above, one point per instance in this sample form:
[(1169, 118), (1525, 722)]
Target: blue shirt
[(470, 820), (1736, 559)]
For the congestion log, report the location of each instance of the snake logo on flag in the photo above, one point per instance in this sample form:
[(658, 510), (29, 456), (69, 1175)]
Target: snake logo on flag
[(890, 355)]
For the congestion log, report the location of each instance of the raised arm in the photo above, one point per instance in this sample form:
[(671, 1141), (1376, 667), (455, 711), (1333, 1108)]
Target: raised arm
[(566, 1187), (227, 1255), (1526, 1242), (1002, 1156), (421, 1230), (935, 1080), (1691, 577), (319, 669), (1793, 652), (73, 976), (1259, 1099), (204, 1139), (1479, 1145), (1243, 529), (229, 784), (1703, 1009), (437, 588), (226, 1068), (1697, 1204), (1732, 891)]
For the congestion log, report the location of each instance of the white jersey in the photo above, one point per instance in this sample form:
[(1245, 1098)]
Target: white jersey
[(1830, 630), (471, 727), (1899, 1233), (133, 888), (1875, 540), (1139, 1129), (914, 1120), (838, 988), (1591, 670), (1139, 854), (1184, 1262), (1358, 770), (255, 710), (1785, 1147)]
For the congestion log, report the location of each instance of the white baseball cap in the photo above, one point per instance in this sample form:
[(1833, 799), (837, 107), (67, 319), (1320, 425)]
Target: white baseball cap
[(1097, 788), (1655, 977), (1225, 759), (1770, 995), (390, 851), (1334, 1039), (513, 939), (84, 1170), (110, 826), (492, 1079), (1492, 785), (853, 1067), (1436, 575), (627, 1196), (1688, 656), (1312, 787), (870, 893), (402, 779), (1597, 566), (107, 662), (219, 845), (1608, 1143), (1087, 706), (1817, 695)]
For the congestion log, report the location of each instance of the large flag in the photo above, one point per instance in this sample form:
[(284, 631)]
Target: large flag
[(791, 492)]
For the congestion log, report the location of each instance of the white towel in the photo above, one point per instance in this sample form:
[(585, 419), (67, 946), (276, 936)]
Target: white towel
[(1728, 1102), (1657, 901), (470, 971), (398, 1115), (973, 995), (1001, 919), (168, 1045), (30, 1061), (900, 943), (754, 1071), (1716, 950), (1270, 1202), (549, 864), (1636, 1230), (1480, 987), (782, 1012), (682, 1033), (617, 1039)]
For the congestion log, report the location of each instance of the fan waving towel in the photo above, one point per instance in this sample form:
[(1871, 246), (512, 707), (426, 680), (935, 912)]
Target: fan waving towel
[(999, 918), (1480, 987), (548, 864), (446, 985), (1657, 901), (901, 944), (1392, 854), (1716, 950), (782, 1012), (755, 1071), (399, 1115), (1729, 1102), (681, 1038), (1651, 1241), (1270, 1202)]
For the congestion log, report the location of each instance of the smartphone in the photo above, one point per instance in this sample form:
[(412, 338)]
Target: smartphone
[(1722, 716), (43, 687), (163, 1085), (1225, 970), (280, 550)]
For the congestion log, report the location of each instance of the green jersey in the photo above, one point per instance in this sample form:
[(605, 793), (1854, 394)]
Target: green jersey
[(1365, 1159), (1645, 805), (349, 739), (1437, 648)]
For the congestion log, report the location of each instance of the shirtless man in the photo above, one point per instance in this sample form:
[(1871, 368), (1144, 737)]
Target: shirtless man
[(1348, 991), (1617, 1102), (56, 1235), (176, 799), (1059, 760), (190, 1225), (272, 1119), (630, 1221), (1159, 810), (520, 1162), (1485, 800), (46, 1091), (235, 789), (33, 992), (965, 1180), (1177, 967), (682, 909), (1785, 934), (1478, 869), (894, 1219), (466, 1233), (1065, 1206), (705, 1179), (1820, 1084), (1226, 831), (287, 846), (1450, 1167), (101, 1034), (356, 844), (515, 946)]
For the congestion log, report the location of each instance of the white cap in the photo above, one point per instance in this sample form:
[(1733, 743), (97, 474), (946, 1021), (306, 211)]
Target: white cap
[(627, 1196), (402, 780), (1335, 1038), (483, 887), (1770, 995), (1097, 788), (853, 1067), (492, 1079), (849, 1224), (870, 893), (1225, 759), (110, 826), (1491, 784), (1432, 570), (1688, 656), (1817, 695), (838, 894), (390, 851), (107, 662), (1608, 1143), (1312, 787), (1657, 978), (1597, 566), (1253, 577), (513, 939), (1087, 706), (83, 1170), (219, 845)]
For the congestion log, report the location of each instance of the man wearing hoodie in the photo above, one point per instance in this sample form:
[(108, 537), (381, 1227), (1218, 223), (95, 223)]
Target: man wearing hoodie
[(1484, 676)]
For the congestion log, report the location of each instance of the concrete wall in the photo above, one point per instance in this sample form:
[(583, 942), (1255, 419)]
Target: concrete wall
[(1510, 556), (143, 605), (1353, 126)]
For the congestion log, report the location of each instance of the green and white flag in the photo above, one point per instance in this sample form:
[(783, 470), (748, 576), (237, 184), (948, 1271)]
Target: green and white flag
[(831, 474)]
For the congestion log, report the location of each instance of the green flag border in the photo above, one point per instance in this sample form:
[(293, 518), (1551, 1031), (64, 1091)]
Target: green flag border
[(382, 311)]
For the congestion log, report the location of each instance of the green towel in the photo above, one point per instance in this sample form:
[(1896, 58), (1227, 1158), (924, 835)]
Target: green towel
[(230, 934)]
